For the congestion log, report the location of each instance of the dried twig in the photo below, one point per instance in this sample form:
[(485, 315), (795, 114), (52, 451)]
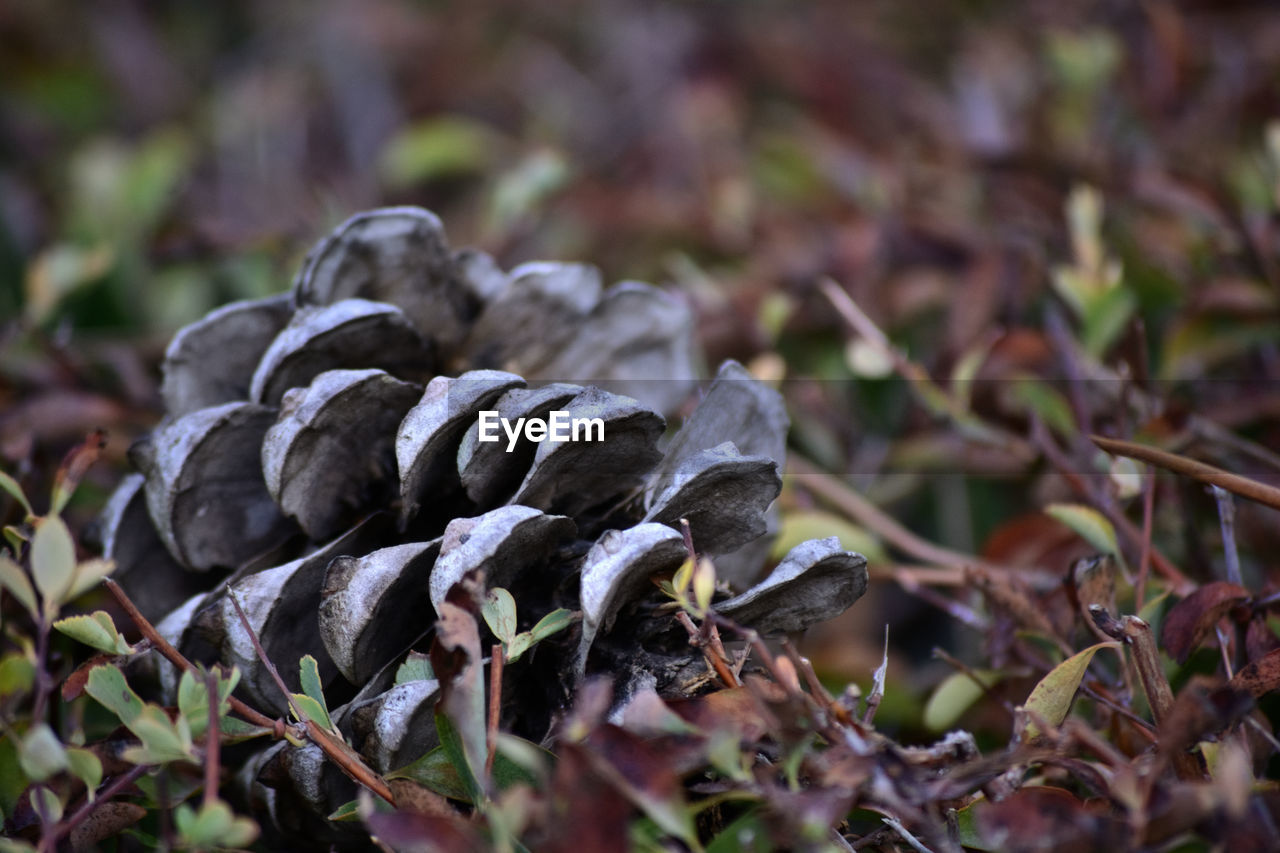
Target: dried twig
[(347, 760), (1234, 483), (176, 658), (80, 815), (497, 658), (212, 748)]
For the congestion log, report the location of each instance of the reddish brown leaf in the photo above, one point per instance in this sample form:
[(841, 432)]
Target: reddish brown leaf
[(587, 811), (78, 460), (106, 820), (1261, 676), (1192, 618), (735, 710), (73, 687), (1049, 819), (414, 831), (1259, 639)]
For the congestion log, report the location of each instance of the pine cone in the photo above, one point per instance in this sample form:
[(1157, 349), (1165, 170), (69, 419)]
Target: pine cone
[(322, 458)]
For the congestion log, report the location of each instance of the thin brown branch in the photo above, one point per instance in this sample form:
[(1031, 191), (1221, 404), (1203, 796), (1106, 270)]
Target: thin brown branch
[(338, 752), (497, 658), (176, 658), (80, 815), (716, 660), (829, 488), (1205, 473), (213, 748)]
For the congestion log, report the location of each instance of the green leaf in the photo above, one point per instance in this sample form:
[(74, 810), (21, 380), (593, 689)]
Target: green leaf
[(311, 685), (215, 825), (747, 834), (1051, 698), (107, 684), (234, 730), (802, 525), (416, 667), (514, 763), (41, 753), (11, 486), (193, 701), (967, 825), (499, 612), (435, 148), (13, 782), (704, 584), (1045, 401), (520, 644), (954, 696), (1088, 523), (346, 812), (13, 845), (53, 561), (14, 579), (47, 805), (17, 675), (436, 771), (311, 710), (96, 630), (452, 747), (683, 577), (553, 623), (86, 767), (89, 574), (1105, 317), (162, 739), (15, 538)]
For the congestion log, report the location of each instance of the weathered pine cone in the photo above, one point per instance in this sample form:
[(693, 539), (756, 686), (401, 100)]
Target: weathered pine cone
[(320, 457)]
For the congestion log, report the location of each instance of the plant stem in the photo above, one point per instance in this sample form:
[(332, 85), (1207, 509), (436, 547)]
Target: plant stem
[(175, 657), (1205, 473)]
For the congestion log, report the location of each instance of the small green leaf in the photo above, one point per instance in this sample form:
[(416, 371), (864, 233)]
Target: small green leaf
[(347, 811), (214, 826), (520, 644), (17, 675), (238, 731), (14, 579), (967, 824), (162, 739), (309, 671), (86, 767), (1051, 698), (312, 710), (107, 684), (802, 525), (41, 753), (89, 574), (746, 834), (452, 746), (954, 696), (416, 667), (682, 578), (704, 584), (15, 538), (96, 630), (499, 612), (1091, 525), (516, 761), (553, 623), (11, 486), (47, 805), (53, 561)]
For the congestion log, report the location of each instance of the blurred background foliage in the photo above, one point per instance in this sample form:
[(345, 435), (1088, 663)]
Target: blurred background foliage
[(979, 176)]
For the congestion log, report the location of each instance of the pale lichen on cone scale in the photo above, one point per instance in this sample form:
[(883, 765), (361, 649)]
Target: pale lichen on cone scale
[(320, 461)]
